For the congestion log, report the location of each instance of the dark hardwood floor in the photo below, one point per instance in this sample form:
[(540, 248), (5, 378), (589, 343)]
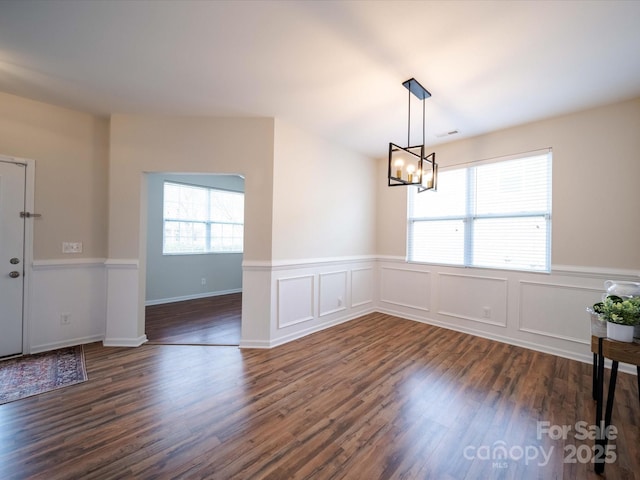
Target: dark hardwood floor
[(204, 321), (374, 398)]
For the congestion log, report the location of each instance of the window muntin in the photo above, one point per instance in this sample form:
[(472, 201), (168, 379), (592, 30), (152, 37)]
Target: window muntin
[(202, 220), (492, 215)]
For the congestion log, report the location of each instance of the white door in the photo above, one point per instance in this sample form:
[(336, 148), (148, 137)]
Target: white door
[(12, 202)]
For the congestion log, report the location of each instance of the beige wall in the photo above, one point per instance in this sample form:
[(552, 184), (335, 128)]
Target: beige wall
[(189, 144), (596, 169), (71, 153), (142, 144), (324, 198), (391, 211)]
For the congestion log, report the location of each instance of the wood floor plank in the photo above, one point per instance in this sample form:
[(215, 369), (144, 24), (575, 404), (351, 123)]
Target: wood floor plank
[(203, 321), (378, 398)]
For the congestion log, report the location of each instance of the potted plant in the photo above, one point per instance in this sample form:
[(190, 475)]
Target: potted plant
[(622, 315)]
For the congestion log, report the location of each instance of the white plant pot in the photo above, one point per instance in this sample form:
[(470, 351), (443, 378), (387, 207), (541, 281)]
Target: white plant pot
[(622, 333)]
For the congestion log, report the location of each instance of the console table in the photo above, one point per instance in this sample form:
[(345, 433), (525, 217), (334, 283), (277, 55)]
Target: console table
[(602, 348)]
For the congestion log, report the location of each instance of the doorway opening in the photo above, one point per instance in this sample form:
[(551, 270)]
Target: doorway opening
[(195, 237)]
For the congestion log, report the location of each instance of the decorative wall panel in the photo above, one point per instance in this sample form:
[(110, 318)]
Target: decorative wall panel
[(333, 292), (295, 300), (557, 310), (406, 288), (362, 282), (477, 298)]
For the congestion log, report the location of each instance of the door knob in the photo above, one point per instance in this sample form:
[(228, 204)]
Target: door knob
[(14, 261), (14, 274)]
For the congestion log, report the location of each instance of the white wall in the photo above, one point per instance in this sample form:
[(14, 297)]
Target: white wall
[(312, 295), (172, 278), (73, 287)]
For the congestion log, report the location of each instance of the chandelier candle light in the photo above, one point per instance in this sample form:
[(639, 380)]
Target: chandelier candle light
[(421, 170)]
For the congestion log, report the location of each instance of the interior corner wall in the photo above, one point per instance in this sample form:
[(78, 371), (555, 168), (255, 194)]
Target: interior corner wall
[(322, 271), (391, 213), (142, 144)]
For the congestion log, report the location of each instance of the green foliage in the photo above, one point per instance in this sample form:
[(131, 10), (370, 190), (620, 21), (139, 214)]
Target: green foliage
[(617, 310)]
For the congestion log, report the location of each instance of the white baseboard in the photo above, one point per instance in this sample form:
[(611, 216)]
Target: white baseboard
[(124, 342), (66, 343), (302, 333), (161, 301), (255, 344)]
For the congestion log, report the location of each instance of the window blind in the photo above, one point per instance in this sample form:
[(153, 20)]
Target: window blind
[(202, 219), (493, 214)]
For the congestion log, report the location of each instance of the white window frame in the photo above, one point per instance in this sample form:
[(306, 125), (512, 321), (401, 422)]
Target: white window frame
[(209, 223), (470, 217)]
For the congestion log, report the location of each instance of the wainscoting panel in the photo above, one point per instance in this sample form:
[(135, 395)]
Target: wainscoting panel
[(333, 292), (477, 298), (544, 312), (314, 294), (557, 310), (73, 288), (406, 288), (295, 300), (258, 307), (362, 282), (287, 300), (124, 319)]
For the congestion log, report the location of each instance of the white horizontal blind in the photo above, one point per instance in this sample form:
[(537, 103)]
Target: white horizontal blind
[(494, 215), (202, 220)]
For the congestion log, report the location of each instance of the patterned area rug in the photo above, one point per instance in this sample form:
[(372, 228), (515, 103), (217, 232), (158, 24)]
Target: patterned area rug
[(33, 374)]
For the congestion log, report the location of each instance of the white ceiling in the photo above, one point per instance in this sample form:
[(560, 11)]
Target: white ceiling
[(331, 67)]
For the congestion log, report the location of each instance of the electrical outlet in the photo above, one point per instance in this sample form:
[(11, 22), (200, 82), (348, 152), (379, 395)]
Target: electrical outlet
[(486, 312), (65, 318), (203, 281), (339, 301)]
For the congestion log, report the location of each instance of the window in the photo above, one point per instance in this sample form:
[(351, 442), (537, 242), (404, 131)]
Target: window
[(490, 215), (202, 220)]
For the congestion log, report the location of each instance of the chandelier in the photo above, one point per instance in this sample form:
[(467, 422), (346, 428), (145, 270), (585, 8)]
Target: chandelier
[(409, 165)]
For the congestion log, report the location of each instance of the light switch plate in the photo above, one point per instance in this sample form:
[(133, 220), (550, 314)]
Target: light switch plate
[(71, 247)]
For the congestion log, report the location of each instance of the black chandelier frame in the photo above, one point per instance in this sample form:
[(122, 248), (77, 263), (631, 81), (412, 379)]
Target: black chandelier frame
[(410, 165)]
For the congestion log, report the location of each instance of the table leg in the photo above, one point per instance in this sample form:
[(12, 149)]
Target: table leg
[(601, 442), (594, 375), (638, 376), (610, 395), (599, 460)]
